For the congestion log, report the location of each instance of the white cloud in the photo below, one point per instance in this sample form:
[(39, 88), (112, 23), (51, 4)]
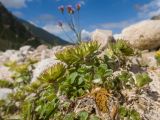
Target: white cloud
[(15, 3), (46, 17), (55, 29), (86, 35), (82, 2), (150, 9), (33, 23), (116, 25)]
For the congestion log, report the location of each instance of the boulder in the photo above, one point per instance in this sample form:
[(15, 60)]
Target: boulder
[(156, 17), (143, 35), (40, 48), (148, 58), (102, 37)]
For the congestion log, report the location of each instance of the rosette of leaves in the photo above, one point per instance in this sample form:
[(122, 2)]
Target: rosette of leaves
[(78, 53), (142, 79), (6, 84), (118, 53), (122, 47), (128, 114), (52, 73), (22, 73)]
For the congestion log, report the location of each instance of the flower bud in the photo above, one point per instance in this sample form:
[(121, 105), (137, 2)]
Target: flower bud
[(61, 8), (78, 6), (70, 9)]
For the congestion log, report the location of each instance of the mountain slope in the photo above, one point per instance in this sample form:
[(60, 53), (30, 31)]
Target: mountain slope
[(42, 34), (15, 33)]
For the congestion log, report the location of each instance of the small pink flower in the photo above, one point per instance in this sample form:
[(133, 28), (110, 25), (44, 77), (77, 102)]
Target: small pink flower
[(78, 6), (60, 24), (70, 9), (61, 8)]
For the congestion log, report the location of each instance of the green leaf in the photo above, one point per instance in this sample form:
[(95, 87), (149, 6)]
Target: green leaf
[(134, 115), (142, 79), (83, 115), (72, 77), (80, 80), (69, 117), (123, 111), (109, 72), (81, 92)]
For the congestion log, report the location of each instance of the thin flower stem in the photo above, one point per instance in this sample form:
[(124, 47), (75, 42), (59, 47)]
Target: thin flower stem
[(67, 34)]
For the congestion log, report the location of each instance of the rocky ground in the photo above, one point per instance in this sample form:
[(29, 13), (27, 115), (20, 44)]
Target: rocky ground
[(141, 37)]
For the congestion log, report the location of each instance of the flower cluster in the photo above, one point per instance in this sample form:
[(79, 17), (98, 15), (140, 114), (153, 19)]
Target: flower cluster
[(69, 8), (73, 21)]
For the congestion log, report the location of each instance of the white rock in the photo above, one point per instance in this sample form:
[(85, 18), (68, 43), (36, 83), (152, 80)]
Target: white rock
[(4, 93), (143, 35), (5, 73), (102, 37), (155, 84), (25, 49), (41, 48), (13, 55), (148, 58), (43, 65)]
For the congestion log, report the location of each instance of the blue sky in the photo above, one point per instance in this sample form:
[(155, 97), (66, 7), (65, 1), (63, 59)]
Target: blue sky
[(103, 14)]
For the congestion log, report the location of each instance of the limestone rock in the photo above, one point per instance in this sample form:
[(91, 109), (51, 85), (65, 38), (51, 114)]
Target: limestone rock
[(12, 55), (42, 47), (148, 59), (25, 49), (156, 17), (143, 35), (102, 37)]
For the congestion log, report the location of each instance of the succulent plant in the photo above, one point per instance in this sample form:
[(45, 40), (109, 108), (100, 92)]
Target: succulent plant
[(52, 73), (77, 53)]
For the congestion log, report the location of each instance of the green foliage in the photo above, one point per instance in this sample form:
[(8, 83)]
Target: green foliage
[(122, 48), (119, 52), (142, 79), (22, 74), (78, 53), (5, 84), (83, 115), (129, 114), (55, 93), (70, 116), (75, 84)]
